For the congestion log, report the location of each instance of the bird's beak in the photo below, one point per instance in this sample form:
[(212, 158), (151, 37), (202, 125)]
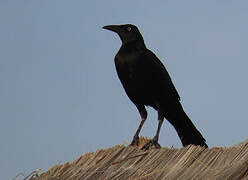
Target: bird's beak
[(114, 28)]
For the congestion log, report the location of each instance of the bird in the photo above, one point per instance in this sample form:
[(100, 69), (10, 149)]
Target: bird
[(147, 83)]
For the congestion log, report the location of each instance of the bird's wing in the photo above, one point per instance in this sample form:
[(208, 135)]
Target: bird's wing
[(160, 74)]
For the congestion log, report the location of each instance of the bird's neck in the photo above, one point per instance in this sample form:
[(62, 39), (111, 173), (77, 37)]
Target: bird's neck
[(133, 46)]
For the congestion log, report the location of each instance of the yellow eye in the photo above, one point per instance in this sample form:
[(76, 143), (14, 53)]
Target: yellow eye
[(129, 28)]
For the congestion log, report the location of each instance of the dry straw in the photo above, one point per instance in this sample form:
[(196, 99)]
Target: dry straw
[(122, 162)]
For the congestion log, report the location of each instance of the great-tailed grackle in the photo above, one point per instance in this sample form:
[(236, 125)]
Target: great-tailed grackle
[(147, 83)]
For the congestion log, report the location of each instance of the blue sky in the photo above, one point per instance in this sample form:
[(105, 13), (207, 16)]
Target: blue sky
[(61, 97)]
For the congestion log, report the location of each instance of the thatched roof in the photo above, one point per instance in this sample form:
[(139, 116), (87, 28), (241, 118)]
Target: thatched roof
[(121, 162)]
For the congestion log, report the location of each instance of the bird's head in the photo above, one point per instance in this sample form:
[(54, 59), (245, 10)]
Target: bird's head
[(127, 32)]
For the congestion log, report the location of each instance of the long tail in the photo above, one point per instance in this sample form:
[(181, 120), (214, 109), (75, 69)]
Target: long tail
[(186, 130)]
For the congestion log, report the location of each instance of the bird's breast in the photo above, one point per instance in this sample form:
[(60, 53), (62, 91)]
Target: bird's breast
[(133, 78), (125, 68)]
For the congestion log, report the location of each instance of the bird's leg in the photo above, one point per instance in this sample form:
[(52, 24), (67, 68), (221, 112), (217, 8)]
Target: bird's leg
[(155, 138), (135, 141), (154, 141), (143, 114)]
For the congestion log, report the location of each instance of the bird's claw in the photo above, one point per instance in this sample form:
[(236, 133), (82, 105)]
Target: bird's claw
[(135, 141), (151, 143)]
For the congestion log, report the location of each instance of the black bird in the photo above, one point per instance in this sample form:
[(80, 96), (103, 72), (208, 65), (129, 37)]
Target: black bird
[(147, 83)]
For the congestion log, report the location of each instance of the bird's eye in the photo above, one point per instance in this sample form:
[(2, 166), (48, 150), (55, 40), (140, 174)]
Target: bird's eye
[(129, 28)]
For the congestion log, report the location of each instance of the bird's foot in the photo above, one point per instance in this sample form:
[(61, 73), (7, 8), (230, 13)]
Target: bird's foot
[(135, 141), (151, 143)]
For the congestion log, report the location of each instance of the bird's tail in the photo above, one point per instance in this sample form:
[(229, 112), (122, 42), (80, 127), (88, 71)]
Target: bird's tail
[(186, 130)]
